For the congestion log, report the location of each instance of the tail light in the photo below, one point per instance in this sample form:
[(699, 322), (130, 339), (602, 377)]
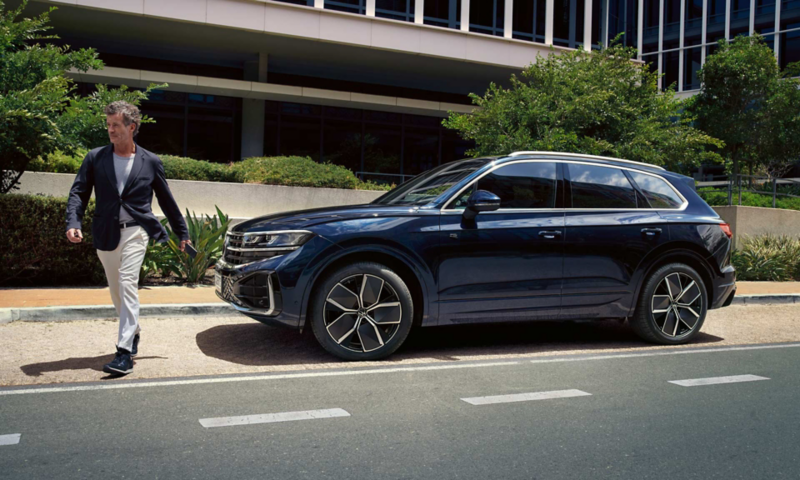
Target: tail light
[(726, 229)]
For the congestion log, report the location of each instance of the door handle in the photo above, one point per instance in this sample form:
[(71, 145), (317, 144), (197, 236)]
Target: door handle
[(651, 232), (550, 234)]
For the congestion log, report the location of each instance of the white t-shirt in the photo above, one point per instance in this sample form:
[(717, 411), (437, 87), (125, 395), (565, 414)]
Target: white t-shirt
[(122, 167)]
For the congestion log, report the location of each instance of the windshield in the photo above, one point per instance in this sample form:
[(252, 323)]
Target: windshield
[(427, 186)]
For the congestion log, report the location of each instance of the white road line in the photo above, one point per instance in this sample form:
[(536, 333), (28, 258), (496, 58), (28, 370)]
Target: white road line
[(696, 382), (658, 354), (11, 439), (525, 397), (447, 366), (273, 418), (200, 381)]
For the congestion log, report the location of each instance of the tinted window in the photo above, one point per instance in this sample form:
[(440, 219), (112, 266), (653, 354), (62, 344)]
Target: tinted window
[(600, 187), (522, 185), (656, 190)]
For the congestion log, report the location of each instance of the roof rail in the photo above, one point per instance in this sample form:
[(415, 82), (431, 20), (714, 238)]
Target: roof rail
[(580, 155)]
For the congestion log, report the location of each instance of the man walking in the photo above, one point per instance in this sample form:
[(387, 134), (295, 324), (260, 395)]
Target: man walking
[(124, 177)]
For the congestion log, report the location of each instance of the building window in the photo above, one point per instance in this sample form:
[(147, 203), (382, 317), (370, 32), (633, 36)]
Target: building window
[(395, 9), (307, 3), (597, 24), (486, 16), (351, 6), (691, 65), (568, 23), (765, 16), (443, 13), (671, 64), (622, 19), (529, 20), (380, 146), (790, 48), (790, 14), (693, 23), (672, 24), (740, 18), (715, 21)]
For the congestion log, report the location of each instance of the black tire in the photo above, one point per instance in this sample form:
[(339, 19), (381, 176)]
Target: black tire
[(672, 305), (368, 324)]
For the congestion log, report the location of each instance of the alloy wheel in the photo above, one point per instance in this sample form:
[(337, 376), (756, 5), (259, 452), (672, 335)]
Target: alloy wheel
[(677, 305), (362, 313)]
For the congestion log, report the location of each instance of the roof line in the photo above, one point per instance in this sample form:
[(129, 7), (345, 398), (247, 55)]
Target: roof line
[(580, 155)]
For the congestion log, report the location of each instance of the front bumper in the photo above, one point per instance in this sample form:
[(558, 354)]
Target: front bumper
[(724, 288)]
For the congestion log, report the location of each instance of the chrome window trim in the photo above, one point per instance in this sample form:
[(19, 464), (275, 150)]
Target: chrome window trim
[(580, 155), (449, 211)]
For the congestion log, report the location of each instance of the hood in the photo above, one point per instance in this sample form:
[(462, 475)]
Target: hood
[(301, 219)]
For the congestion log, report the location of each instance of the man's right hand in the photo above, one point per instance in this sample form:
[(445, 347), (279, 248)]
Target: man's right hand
[(74, 235)]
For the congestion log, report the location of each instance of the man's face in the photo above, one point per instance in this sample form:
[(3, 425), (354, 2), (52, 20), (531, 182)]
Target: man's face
[(117, 131)]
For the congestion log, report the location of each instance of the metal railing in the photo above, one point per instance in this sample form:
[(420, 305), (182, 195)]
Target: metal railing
[(736, 184)]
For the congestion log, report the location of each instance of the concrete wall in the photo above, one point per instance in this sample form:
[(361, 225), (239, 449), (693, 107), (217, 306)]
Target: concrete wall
[(753, 221), (238, 200)]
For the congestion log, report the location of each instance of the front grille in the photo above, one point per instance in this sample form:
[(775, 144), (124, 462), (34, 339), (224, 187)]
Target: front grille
[(227, 290), (258, 292)]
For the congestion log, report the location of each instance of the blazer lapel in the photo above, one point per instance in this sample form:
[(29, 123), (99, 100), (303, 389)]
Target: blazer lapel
[(108, 163), (135, 169)]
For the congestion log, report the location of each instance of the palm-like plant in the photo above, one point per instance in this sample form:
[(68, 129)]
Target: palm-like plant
[(207, 234)]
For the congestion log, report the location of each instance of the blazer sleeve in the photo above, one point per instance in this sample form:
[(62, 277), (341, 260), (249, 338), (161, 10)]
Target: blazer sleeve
[(167, 202), (80, 193)]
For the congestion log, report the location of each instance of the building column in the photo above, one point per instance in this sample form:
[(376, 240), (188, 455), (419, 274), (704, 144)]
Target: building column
[(319, 3), (587, 25), (753, 15), (704, 33), (370, 8), (681, 52), (548, 22), (253, 110), (419, 12), (640, 30), (465, 15), (728, 19), (508, 18), (661, 43)]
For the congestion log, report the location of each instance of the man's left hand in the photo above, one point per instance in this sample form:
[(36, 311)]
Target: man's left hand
[(184, 243)]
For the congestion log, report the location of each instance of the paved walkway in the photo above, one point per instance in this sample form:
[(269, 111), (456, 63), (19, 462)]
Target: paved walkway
[(62, 297)]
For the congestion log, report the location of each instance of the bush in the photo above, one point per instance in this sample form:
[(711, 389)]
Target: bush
[(289, 171), (749, 199), (768, 258), (208, 237), (34, 247)]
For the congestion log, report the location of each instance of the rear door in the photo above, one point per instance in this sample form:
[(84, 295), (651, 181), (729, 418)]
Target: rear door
[(504, 265), (610, 228)]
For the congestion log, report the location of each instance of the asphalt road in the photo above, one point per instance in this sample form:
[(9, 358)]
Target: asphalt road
[(624, 419)]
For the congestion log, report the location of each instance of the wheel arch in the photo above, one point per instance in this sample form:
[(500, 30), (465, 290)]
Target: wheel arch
[(674, 253), (393, 259)]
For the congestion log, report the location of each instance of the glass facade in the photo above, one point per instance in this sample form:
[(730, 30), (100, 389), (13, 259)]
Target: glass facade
[(379, 146)]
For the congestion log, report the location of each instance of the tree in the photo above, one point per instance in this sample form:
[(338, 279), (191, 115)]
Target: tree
[(749, 104), (38, 113), (600, 102), (33, 90)]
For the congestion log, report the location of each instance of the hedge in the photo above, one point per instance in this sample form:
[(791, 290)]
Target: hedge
[(34, 247), (749, 199), (289, 171), (773, 258)]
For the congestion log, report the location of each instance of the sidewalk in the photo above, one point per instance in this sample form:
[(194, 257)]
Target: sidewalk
[(58, 304)]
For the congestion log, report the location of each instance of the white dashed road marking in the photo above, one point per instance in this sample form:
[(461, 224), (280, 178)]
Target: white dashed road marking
[(273, 418), (11, 439), (525, 397), (695, 382)]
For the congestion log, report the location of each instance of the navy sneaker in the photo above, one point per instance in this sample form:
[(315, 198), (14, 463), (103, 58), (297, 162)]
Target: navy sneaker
[(135, 349), (121, 365)]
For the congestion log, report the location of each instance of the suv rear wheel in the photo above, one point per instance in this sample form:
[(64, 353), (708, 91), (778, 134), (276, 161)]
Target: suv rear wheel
[(672, 305), (362, 311)]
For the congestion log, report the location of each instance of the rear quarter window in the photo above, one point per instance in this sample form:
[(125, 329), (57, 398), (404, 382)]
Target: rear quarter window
[(657, 191)]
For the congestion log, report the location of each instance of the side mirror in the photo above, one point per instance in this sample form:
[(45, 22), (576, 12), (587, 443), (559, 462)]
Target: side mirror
[(481, 201)]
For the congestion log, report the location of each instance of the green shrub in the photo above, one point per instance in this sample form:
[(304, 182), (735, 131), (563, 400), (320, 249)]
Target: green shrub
[(768, 258), (749, 199), (289, 171), (57, 162), (34, 246), (208, 237)]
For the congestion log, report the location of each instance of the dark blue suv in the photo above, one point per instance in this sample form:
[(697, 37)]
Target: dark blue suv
[(528, 236)]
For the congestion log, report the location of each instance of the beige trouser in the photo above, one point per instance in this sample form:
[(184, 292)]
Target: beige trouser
[(122, 271)]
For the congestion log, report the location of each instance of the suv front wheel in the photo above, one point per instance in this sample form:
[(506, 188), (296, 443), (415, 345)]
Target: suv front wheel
[(362, 311), (672, 305)]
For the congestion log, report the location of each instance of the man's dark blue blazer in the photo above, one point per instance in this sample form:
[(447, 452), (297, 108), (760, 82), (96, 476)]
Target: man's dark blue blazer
[(147, 176)]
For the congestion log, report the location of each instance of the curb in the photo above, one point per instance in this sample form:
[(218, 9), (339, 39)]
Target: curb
[(100, 312)]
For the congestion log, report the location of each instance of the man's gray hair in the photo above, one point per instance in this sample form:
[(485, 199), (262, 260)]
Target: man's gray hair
[(130, 113)]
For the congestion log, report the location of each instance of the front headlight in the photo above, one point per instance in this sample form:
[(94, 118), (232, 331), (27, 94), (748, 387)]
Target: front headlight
[(276, 239)]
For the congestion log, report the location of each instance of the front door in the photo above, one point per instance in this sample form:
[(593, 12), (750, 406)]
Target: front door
[(504, 265)]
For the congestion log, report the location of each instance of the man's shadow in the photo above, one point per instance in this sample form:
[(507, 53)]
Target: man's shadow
[(78, 363)]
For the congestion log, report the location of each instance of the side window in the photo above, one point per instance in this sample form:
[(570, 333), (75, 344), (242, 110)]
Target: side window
[(656, 190), (600, 187), (522, 185)]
